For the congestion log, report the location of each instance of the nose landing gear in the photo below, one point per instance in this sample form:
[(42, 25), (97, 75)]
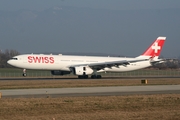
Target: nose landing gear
[(24, 73)]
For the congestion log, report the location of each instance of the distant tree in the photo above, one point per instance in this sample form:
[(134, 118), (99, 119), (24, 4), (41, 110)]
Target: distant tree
[(173, 64), (169, 64), (5, 56)]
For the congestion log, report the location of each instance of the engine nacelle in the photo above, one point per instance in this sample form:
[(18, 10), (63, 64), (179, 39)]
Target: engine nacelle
[(82, 70), (59, 72)]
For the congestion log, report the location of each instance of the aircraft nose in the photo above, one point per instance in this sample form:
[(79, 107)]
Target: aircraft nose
[(9, 62)]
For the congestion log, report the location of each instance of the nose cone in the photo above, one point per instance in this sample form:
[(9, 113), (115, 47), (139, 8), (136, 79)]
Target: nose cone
[(13, 61), (9, 62)]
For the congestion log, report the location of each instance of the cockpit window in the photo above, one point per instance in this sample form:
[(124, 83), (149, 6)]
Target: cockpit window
[(14, 59)]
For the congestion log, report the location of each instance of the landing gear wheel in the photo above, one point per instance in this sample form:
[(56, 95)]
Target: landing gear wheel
[(96, 77), (93, 76), (24, 74), (86, 76), (83, 76)]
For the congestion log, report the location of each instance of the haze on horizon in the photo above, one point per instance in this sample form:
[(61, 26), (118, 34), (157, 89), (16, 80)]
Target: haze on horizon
[(115, 27)]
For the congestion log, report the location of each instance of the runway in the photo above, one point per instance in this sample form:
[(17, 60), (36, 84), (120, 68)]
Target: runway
[(91, 91), (75, 78)]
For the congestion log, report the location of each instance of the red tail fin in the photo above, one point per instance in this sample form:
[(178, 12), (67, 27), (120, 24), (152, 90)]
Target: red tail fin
[(155, 49)]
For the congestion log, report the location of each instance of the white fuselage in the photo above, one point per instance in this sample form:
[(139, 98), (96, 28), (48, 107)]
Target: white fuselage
[(64, 62)]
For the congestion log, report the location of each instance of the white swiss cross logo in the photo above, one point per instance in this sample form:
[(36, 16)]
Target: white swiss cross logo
[(155, 47)]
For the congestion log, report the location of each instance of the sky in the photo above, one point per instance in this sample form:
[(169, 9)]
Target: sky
[(97, 4), (29, 27)]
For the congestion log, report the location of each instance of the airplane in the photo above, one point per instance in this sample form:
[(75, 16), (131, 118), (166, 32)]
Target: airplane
[(82, 66)]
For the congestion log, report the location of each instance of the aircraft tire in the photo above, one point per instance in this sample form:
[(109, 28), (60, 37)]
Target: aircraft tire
[(99, 76), (93, 76), (82, 76), (24, 74), (79, 76), (85, 76), (96, 77)]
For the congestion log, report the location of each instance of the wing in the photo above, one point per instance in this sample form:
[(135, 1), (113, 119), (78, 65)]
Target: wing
[(102, 65)]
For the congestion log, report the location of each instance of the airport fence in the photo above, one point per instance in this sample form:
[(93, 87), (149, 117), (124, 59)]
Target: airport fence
[(138, 73)]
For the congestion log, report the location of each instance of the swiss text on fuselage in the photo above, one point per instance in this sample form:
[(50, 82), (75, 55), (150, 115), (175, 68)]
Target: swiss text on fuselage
[(37, 59)]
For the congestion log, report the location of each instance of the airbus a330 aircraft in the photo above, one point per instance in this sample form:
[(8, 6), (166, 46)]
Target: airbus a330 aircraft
[(82, 66)]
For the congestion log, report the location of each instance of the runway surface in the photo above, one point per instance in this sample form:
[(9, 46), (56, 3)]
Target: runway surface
[(91, 91), (75, 78)]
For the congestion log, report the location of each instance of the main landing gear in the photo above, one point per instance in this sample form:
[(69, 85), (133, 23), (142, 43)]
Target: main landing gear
[(92, 77), (24, 73), (96, 76), (83, 76)]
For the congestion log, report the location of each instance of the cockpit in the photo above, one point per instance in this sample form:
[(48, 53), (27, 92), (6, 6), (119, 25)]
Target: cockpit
[(14, 59)]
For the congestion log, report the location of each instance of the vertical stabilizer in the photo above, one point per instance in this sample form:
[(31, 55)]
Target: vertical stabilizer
[(154, 49)]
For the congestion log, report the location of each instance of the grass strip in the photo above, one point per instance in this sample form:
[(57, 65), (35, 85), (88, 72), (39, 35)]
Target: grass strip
[(141, 107), (51, 83)]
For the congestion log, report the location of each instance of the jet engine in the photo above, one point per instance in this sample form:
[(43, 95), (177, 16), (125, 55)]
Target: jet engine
[(59, 72)]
